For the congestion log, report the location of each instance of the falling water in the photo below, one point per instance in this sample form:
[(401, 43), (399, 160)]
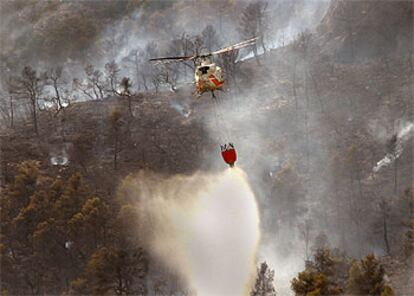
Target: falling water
[(205, 227)]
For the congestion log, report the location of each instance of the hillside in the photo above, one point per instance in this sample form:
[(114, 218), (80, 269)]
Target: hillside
[(359, 30), (323, 129), (157, 137)]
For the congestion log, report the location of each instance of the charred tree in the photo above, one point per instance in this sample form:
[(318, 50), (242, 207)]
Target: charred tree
[(253, 23), (116, 126), (264, 285), (112, 71), (29, 87), (385, 209), (392, 147)]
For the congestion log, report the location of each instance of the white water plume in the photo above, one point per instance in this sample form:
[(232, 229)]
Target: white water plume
[(205, 227)]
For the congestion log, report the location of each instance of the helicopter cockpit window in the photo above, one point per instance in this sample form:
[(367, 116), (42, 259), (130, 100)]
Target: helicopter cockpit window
[(204, 69)]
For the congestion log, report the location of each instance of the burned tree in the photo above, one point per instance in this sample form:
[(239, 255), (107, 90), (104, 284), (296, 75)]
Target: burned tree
[(345, 13), (126, 86), (150, 51), (116, 123), (230, 67), (305, 229), (181, 46), (94, 85), (264, 285), (384, 210), (409, 232), (28, 87), (134, 62), (253, 23), (95, 78), (393, 150), (126, 92), (197, 44), (54, 79), (300, 50), (210, 38), (7, 107), (111, 72)]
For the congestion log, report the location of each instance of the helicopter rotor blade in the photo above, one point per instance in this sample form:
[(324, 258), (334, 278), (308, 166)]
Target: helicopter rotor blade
[(165, 60), (242, 44)]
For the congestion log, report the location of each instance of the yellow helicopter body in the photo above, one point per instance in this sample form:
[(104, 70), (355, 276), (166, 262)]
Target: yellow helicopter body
[(208, 77)]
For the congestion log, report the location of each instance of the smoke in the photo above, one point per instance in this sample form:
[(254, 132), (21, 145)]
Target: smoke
[(184, 110), (288, 263), (58, 156), (402, 136), (205, 227)]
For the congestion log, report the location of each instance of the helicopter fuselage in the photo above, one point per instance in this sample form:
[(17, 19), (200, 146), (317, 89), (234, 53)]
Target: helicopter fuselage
[(208, 77)]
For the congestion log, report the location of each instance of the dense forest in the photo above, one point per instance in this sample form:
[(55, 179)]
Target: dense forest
[(102, 149)]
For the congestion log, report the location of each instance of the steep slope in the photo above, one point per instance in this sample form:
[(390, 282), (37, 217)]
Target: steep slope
[(82, 137), (357, 30)]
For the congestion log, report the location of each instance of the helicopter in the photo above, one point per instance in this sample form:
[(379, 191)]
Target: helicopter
[(208, 75), (209, 78)]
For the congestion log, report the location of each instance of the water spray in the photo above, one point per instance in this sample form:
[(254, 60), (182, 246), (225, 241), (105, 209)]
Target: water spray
[(205, 227)]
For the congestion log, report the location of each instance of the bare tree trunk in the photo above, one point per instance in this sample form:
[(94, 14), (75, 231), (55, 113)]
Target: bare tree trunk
[(101, 95), (351, 37), (57, 94), (96, 94), (356, 219), (334, 58), (395, 175), (262, 44), (116, 151), (5, 172), (137, 74), (294, 86), (130, 106), (385, 229), (315, 86), (307, 124), (11, 112), (34, 113), (256, 54), (144, 81)]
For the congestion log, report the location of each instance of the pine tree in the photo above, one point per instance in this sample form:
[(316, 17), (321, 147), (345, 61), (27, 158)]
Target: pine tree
[(264, 282), (354, 279), (309, 282), (72, 198), (324, 263), (367, 277), (112, 271), (321, 276), (30, 236)]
